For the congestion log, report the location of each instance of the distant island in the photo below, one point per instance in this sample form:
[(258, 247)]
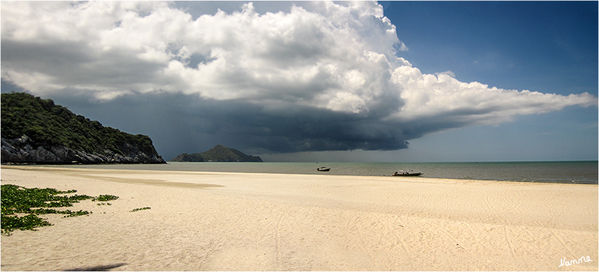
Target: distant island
[(35, 130), (219, 153)]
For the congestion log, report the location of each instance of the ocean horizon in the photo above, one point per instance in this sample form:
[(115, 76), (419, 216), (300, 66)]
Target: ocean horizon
[(579, 172)]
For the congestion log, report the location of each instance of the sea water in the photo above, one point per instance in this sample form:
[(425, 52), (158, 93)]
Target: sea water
[(584, 172)]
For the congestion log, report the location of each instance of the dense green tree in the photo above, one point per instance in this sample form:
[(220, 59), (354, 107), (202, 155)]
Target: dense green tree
[(47, 125)]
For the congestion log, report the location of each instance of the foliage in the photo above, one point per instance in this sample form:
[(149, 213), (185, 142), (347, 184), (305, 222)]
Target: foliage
[(140, 209), (77, 213), (35, 201), (49, 125), (28, 222), (105, 198), (16, 199)]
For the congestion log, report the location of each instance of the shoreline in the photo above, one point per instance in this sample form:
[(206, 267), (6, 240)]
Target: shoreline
[(326, 174), (250, 221)]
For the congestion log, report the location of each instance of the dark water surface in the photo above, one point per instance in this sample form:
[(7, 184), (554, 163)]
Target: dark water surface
[(565, 172)]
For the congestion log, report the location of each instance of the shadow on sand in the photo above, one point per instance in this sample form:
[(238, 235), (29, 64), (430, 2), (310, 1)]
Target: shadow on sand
[(97, 267)]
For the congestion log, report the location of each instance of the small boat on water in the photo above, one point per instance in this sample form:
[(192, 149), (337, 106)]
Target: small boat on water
[(402, 173), (323, 169)]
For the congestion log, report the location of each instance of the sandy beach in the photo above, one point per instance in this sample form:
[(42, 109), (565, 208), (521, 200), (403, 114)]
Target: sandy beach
[(248, 221)]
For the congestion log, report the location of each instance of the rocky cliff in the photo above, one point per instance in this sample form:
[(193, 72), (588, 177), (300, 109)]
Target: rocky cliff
[(35, 130)]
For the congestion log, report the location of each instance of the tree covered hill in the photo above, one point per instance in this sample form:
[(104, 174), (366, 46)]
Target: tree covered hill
[(218, 153), (35, 130)]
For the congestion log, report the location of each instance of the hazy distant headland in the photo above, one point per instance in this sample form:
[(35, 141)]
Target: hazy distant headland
[(219, 153), (35, 130)]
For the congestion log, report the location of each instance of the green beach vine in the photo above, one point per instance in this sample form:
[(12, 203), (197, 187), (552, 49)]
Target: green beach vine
[(21, 206)]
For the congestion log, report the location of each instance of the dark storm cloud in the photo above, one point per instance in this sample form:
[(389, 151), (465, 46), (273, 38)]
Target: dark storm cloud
[(179, 123)]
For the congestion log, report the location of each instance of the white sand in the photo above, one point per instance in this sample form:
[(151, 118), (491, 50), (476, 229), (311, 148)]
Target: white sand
[(239, 221)]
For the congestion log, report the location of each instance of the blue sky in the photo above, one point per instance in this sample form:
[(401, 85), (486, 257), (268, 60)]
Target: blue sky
[(546, 46), (542, 46), (322, 81)]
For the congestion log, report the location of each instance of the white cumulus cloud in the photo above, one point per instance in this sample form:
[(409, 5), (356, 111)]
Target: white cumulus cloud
[(338, 58)]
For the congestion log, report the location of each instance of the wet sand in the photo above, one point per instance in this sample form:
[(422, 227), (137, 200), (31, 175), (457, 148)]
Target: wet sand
[(249, 221)]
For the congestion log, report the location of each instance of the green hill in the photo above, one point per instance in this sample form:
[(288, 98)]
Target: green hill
[(218, 153), (35, 130)]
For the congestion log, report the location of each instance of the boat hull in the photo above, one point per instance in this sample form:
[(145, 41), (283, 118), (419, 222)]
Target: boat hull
[(407, 175)]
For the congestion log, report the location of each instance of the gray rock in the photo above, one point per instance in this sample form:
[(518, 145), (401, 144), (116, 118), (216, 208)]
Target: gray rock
[(23, 150)]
